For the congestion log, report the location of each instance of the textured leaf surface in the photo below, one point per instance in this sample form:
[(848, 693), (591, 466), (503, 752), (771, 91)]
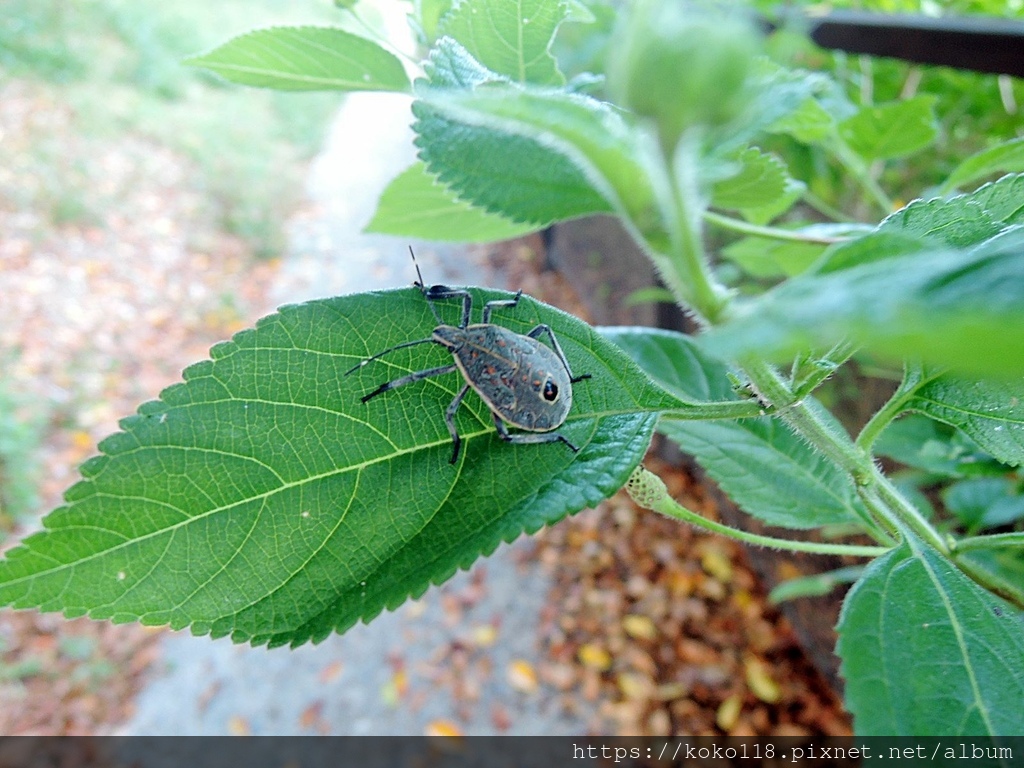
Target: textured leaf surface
[(261, 499), (416, 205), (534, 156), (989, 412), (891, 130), (960, 222), (962, 309), (761, 180), (927, 652), (513, 39), (306, 59), (759, 463)]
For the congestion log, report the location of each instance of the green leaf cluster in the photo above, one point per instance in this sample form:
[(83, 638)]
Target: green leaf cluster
[(263, 500)]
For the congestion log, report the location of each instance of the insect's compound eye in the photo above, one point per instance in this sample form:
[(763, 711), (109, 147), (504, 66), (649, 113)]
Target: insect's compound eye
[(550, 391)]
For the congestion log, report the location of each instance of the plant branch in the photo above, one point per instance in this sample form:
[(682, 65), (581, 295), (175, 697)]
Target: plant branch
[(731, 409), (680, 173), (860, 171), (993, 541), (914, 377), (773, 233), (649, 492)]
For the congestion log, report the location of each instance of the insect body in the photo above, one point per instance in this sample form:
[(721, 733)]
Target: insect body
[(524, 383)]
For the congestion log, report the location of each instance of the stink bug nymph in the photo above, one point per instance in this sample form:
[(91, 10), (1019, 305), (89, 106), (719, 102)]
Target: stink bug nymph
[(524, 383)]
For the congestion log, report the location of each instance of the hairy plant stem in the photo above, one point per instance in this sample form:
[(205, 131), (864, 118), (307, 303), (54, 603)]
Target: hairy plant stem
[(649, 492), (993, 541), (861, 174), (730, 409), (914, 377), (709, 297), (771, 233), (886, 510)]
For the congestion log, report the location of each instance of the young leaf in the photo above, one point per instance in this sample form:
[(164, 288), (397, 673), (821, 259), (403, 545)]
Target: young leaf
[(263, 500), (416, 205), (984, 502), (990, 412), (512, 39), (1002, 199), (535, 156), (961, 309), (1007, 156), (760, 180), (960, 221), (759, 463), (927, 652), (305, 59), (891, 130)]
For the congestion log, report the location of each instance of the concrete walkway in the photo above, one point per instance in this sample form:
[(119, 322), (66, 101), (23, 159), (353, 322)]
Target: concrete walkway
[(459, 657)]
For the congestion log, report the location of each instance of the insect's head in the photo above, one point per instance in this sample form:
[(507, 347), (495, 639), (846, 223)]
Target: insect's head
[(423, 286)]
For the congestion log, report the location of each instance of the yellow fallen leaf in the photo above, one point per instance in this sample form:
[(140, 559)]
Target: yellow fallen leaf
[(729, 712), (594, 656), (716, 564), (634, 686), (442, 728), (760, 681), (484, 635), (238, 726), (640, 627), (522, 676)]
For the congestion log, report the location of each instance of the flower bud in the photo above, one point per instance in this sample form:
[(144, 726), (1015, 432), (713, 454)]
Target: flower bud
[(682, 65)]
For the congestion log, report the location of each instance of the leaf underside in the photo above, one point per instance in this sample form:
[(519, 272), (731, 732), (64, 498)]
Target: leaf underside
[(927, 652)]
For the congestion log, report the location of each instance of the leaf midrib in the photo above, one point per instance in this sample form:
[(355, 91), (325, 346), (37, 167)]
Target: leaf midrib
[(267, 494)]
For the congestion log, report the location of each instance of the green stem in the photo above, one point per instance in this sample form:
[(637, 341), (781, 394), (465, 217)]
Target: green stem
[(708, 297), (860, 171), (907, 512), (806, 421), (994, 541), (823, 207), (773, 233), (733, 409), (914, 378), (649, 492)]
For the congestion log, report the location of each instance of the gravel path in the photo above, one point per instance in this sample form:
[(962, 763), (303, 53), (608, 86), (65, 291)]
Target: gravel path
[(461, 659)]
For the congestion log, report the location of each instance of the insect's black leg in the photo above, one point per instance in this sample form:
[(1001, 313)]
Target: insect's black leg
[(388, 385), (435, 292), (379, 355), (541, 329), (529, 438), (449, 419), (499, 303)]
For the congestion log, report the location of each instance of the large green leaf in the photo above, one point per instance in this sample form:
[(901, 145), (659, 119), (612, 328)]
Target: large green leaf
[(535, 156), (759, 463), (306, 59), (927, 652), (263, 500), (416, 205), (512, 39), (891, 130), (1007, 156), (962, 309), (989, 412), (960, 222)]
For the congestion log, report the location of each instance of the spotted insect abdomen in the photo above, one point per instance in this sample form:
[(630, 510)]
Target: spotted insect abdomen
[(510, 372)]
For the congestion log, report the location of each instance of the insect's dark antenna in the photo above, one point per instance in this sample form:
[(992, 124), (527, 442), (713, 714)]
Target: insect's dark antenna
[(423, 287), (361, 363)]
